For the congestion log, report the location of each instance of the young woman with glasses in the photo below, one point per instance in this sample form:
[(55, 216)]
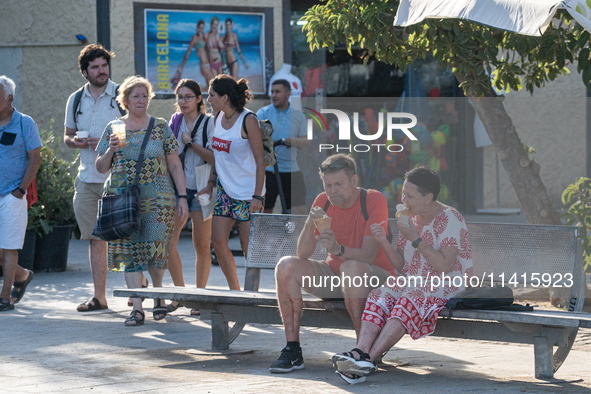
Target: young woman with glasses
[(191, 114)]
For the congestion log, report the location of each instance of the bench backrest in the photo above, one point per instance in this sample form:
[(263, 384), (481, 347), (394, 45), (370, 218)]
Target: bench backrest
[(504, 250)]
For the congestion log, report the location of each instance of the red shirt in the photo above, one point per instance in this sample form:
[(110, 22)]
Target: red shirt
[(350, 227)]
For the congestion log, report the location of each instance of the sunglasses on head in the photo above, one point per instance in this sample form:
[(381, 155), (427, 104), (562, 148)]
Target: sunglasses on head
[(334, 166)]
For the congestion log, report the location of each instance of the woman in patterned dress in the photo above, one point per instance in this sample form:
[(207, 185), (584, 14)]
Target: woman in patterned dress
[(435, 243), (146, 249)]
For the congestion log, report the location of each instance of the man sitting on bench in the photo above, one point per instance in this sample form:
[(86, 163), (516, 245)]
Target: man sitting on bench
[(356, 262)]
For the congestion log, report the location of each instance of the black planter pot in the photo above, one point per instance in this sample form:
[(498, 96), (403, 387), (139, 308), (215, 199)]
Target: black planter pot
[(26, 256), (51, 250)]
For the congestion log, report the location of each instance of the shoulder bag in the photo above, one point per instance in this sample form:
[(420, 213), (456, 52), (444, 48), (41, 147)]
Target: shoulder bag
[(119, 215)]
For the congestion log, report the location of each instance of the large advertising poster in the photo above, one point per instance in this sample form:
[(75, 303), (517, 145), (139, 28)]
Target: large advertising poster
[(202, 44)]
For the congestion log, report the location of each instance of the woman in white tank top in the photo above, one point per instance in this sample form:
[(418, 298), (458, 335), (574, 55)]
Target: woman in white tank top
[(238, 170)]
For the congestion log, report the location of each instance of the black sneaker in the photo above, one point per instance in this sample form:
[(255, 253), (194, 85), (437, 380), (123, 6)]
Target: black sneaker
[(288, 361)]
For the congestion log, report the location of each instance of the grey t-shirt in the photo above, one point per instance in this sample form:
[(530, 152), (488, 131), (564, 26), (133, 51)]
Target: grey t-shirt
[(192, 159)]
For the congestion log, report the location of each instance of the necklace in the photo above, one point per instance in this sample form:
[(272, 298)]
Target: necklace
[(228, 117)]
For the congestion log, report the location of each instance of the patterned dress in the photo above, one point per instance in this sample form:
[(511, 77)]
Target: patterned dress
[(414, 297), (150, 245)]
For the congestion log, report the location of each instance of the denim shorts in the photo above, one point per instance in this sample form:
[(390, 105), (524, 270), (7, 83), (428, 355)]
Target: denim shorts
[(193, 203)]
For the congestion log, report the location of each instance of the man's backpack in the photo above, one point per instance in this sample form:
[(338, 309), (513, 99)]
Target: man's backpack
[(363, 203), (266, 133), (78, 97)]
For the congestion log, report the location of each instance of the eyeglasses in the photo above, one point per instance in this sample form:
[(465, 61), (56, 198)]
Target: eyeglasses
[(186, 99)]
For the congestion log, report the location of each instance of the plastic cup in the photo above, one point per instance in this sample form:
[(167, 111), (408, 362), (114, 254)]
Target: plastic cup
[(204, 199), (82, 134), (119, 131)]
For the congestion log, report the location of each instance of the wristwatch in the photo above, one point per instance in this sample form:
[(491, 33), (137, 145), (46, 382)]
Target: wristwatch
[(416, 242), (341, 251), (20, 189), (189, 144)]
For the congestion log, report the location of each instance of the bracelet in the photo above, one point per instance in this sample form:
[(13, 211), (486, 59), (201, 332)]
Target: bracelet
[(183, 196), (258, 197), (20, 189), (212, 181)]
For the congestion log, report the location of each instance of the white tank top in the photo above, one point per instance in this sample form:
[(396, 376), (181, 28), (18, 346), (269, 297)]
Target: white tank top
[(234, 161)]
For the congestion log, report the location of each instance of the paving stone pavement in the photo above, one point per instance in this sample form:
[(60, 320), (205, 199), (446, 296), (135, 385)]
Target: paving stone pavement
[(46, 346)]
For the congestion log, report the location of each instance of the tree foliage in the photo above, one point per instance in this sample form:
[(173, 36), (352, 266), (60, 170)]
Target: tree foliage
[(576, 199), (474, 52)]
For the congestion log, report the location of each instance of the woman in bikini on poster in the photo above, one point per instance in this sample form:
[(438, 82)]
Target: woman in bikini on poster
[(214, 47), (197, 41), (231, 42)]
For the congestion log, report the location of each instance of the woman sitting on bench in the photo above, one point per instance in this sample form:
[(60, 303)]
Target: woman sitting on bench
[(434, 243)]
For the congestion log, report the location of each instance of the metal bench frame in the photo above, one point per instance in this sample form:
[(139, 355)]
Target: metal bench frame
[(496, 248)]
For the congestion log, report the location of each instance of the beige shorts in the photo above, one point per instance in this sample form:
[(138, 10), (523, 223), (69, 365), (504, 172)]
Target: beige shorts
[(325, 280), (86, 200)]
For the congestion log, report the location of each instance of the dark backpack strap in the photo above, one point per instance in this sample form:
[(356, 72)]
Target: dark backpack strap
[(204, 132), (363, 203), (76, 106), (195, 128), (140, 161), (121, 110), (244, 121), (327, 204)]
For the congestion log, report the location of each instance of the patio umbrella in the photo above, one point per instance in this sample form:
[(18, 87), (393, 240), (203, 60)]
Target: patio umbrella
[(527, 17)]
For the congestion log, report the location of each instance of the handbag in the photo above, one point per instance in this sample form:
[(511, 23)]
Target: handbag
[(119, 215), (202, 174), (498, 297)]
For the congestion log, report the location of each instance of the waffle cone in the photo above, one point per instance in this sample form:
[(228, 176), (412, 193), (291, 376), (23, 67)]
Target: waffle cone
[(322, 224), (405, 212)]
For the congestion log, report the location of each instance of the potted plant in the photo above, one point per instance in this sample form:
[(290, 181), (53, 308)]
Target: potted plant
[(52, 217)]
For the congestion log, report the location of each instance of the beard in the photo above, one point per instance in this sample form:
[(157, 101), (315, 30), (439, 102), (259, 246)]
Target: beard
[(97, 82)]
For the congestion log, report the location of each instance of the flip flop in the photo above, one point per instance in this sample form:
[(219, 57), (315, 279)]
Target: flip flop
[(95, 306), (195, 312), (16, 295)]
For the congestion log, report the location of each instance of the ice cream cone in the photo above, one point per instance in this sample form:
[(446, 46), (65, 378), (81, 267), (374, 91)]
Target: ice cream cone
[(403, 215), (322, 223)]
